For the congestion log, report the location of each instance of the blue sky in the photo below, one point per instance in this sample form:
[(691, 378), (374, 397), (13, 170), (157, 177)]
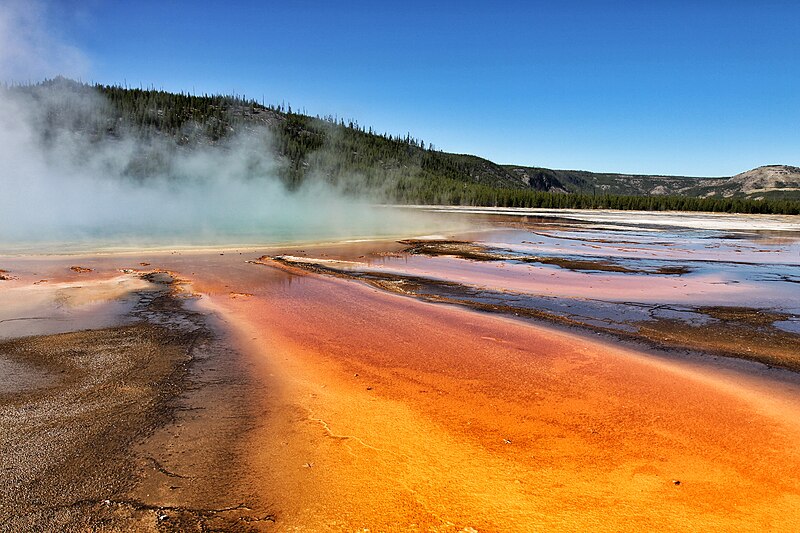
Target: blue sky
[(697, 88)]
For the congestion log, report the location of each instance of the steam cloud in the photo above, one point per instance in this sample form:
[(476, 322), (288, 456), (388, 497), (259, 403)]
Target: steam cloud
[(29, 48), (62, 186)]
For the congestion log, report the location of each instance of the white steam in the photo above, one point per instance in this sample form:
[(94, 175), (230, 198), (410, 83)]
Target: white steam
[(60, 185), (29, 48), (66, 185)]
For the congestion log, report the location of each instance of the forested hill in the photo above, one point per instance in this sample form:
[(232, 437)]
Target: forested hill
[(393, 168)]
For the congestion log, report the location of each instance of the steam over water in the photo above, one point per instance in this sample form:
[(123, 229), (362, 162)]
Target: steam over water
[(63, 186)]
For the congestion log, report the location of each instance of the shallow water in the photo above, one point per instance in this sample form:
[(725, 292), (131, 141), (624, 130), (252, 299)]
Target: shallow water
[(361, 222), (747, 269), (719, 291)]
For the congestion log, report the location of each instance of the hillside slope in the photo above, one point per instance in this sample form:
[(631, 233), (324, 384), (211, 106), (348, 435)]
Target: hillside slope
[(361, 161), (773, 181)]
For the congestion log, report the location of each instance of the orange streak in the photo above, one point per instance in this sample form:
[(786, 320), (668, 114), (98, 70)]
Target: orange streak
[(464, 420)]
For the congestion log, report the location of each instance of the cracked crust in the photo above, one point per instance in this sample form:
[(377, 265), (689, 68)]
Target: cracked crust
[(122, 431)]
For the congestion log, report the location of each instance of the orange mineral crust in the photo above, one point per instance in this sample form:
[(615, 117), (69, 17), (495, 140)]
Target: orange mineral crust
[(390, 414)]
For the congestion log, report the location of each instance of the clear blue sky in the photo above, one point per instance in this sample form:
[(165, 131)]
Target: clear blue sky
[(677, 87)]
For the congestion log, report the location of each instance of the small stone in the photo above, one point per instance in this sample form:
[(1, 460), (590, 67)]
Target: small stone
[(676, 482)]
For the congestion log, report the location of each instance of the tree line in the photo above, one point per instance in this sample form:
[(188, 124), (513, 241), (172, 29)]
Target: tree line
[(394, 168)]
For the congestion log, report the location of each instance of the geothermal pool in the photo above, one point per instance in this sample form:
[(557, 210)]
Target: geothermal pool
[(528, 371)]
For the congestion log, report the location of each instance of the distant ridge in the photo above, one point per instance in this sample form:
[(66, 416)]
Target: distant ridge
[(766, 182)]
